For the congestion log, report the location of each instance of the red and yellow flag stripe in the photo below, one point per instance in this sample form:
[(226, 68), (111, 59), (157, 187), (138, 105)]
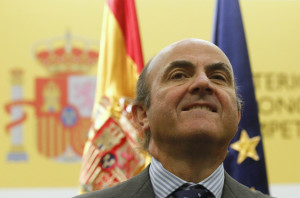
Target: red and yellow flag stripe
[(120, 56), (109, 155)]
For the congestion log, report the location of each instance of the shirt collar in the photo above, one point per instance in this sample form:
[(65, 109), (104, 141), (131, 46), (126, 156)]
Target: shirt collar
[(164, 182)]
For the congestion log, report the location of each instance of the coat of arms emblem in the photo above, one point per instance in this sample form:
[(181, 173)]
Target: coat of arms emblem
[(63, 100)]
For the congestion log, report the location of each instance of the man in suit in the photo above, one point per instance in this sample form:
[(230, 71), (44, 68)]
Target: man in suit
[(188, 108)]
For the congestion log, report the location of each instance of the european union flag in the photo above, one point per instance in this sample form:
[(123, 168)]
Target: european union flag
[(245, 161)]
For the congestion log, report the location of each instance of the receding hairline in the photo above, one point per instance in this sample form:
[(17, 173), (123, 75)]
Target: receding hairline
[(156, 60), (167, 50)]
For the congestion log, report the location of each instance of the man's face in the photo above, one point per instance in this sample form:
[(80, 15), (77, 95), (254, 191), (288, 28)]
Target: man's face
[(193, 96)]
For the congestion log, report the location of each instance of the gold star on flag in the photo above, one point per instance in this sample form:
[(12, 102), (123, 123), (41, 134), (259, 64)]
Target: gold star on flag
[(246, 147)]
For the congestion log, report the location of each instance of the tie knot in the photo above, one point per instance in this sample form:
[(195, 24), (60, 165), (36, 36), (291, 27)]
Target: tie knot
[(189, 191)]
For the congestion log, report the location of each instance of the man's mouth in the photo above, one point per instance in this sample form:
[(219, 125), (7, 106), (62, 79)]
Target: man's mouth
[(201, 107)]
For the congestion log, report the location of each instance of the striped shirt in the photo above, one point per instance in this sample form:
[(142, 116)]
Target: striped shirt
[(164, 183)]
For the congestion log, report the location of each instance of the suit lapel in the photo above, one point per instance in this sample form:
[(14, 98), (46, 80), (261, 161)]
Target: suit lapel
[(232, 188), (228, 189), (145, 189)]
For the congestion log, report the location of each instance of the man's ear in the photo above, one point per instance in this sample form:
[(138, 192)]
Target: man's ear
[(239, 115), (140, 116)]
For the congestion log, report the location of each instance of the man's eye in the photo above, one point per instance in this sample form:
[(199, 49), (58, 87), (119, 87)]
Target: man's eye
[(219, 78), (178, 75)]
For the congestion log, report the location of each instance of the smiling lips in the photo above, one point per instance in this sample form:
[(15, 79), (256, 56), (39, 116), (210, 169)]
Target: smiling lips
[(200, 106)]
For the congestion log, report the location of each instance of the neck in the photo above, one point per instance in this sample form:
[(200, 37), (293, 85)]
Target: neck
[(188, 164)]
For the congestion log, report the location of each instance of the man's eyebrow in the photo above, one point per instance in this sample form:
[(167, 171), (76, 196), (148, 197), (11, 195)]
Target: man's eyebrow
[(218, 66), (178, 64)]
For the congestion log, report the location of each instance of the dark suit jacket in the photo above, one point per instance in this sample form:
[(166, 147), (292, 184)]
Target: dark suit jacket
[(140, 187)]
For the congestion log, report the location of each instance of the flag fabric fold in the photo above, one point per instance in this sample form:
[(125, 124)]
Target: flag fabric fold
[(120, 55), (245, 161), (110, 156)]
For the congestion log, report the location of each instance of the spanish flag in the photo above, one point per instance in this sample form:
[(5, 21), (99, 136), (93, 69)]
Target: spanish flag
[(109, 154), (120, 56)]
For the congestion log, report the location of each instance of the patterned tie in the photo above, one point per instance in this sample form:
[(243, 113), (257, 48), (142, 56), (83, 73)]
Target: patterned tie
[(192, 192)]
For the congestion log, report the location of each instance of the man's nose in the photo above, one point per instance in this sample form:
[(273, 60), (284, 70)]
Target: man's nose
[(201, 84)]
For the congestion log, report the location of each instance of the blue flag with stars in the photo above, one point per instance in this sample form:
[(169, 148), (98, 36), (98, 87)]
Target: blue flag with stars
[(245, 160)]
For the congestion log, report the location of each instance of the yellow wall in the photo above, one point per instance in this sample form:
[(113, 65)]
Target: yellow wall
[(272, 30)]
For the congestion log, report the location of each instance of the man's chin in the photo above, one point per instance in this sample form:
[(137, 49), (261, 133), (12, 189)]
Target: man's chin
[(197, 136)]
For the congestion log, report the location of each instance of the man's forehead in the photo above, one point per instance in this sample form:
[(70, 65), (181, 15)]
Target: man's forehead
[(184, 47)]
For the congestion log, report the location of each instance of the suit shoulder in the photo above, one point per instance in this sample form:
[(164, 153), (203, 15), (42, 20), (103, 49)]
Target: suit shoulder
[(125, 189), (118, 190), (233, 188)]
